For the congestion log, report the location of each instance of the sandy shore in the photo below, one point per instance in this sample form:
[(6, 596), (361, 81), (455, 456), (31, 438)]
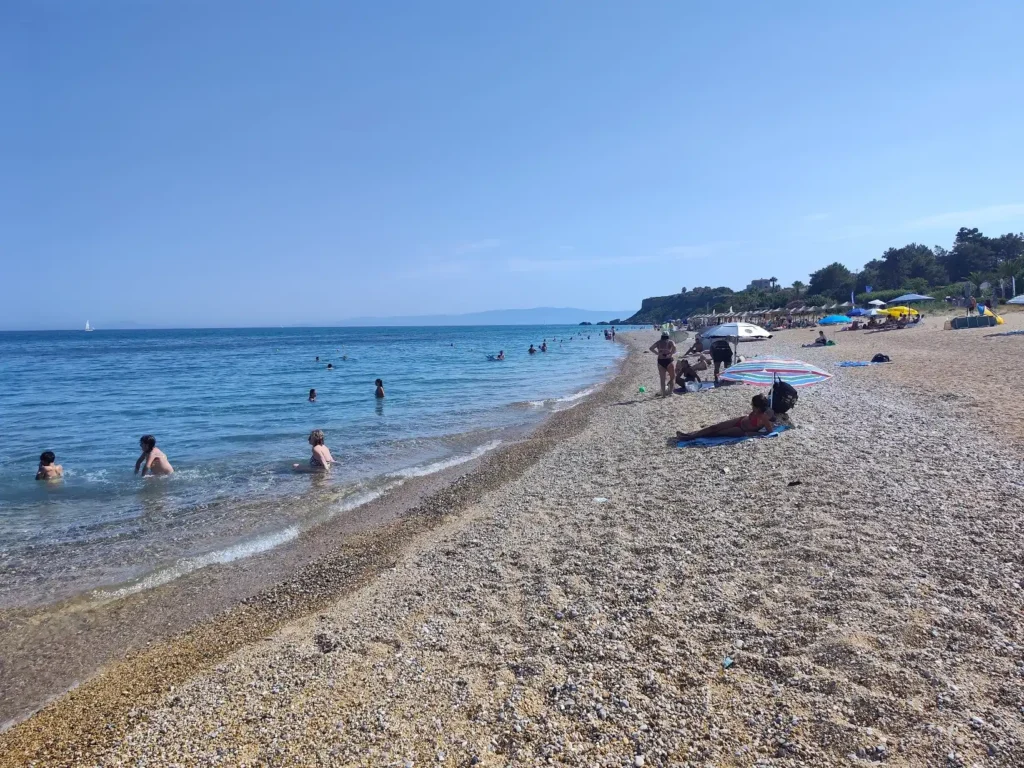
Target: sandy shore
[(574, 601)]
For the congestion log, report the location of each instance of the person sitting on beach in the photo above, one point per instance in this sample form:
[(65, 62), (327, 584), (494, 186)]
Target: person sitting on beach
[(697, 348), (312, 395), (760, 419), (821, 340), (152, 458), (685, 372), (321, 459), (531, 350), (666, 349), (47, 469), (380, 388)]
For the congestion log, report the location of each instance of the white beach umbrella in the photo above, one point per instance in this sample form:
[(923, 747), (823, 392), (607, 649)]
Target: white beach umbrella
[(1017, 300), (737, 331), (877, 303)]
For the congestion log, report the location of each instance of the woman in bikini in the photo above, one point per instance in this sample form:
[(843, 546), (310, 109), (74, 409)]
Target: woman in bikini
[(321, 459), (759, 419), (666, 350)]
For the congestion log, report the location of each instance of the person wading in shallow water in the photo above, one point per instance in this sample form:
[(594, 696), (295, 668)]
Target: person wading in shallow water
[(666, 350), (152, 459)]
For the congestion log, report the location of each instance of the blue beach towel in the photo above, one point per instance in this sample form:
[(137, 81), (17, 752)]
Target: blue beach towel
[(856, 363), (707, 442)]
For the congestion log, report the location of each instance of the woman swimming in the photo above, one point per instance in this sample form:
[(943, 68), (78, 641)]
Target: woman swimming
[(759, 419), (312, 395), (380, 388)]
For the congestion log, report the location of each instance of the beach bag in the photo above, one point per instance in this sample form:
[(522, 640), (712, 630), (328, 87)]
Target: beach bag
[(783, 397), (880, 358)]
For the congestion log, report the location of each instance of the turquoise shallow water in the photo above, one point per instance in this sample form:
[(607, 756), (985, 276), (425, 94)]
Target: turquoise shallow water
[(230, 409)]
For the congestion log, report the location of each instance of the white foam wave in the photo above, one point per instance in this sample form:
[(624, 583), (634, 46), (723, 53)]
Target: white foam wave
[(438, 466), (189, 564), (574, 399)]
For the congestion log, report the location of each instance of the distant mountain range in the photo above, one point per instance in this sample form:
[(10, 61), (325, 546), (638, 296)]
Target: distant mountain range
[(536, 316)]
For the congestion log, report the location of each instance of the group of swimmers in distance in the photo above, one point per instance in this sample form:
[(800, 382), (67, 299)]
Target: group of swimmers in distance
[(155, 462)]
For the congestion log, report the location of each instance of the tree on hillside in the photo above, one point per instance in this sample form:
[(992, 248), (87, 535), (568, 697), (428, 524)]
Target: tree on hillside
[(798, 287), (835, 281), (773, 282)]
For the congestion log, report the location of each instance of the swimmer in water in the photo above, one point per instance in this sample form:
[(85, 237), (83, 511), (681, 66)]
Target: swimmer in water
[(47, 469), (544, 346), (330, 367), (312, 395), (321, 459), (531, 350), (318, 358), (380, 388), (152, 458), (501, 355)]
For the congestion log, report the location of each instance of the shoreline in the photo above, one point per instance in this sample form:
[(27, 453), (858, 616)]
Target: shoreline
[(294, 579), (575, 602)]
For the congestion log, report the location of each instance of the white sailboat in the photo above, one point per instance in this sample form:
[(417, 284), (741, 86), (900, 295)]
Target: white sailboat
[(87, 326)]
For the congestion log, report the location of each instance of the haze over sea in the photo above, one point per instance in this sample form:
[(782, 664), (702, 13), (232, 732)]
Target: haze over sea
[(230, 409)]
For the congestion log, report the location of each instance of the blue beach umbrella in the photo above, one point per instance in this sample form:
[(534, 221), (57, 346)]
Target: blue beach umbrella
[(910, 297), (858, 312), (834, 320), (764, 371)]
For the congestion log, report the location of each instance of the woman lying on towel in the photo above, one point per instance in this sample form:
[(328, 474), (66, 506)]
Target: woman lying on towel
[(759, 419)]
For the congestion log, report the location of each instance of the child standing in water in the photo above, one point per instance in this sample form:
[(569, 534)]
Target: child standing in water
[(380, 388), (47, 469)]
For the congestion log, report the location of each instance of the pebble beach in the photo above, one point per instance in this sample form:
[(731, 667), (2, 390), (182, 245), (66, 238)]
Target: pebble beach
[(848, 593)]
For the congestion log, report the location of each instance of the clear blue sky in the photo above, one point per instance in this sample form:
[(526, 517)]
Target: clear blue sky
[(259, 163)]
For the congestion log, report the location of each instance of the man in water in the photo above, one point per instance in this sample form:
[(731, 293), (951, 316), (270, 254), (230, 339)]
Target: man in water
[(155, 459), (531, 350), (47, 469)]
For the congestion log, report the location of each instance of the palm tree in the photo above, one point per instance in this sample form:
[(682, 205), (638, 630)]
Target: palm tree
[(976, 279), (798, 287), (773, 282)]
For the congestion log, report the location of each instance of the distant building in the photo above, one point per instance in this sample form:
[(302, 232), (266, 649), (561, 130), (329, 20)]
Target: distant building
[(762, 284)]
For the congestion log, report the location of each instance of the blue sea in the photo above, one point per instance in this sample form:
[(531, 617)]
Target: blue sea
[(230, 409)]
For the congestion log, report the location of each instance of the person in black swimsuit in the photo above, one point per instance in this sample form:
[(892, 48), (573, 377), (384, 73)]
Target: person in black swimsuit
[(666, 351)]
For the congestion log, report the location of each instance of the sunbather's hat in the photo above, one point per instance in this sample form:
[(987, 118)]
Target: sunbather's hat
[(664, 335)]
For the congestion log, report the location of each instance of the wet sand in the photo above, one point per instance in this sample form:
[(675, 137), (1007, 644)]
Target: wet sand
[(848, 592)]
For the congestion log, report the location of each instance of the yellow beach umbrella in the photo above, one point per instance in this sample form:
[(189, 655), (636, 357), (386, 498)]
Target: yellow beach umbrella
[(897, 311)]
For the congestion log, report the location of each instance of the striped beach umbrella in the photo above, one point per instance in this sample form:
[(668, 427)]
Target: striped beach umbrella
[(764, 371)]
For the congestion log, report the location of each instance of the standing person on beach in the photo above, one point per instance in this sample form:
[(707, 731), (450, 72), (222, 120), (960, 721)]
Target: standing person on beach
[(721, 354), (152, 458), (380, 388), (666, 350), (47, 469), (972, 305)]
